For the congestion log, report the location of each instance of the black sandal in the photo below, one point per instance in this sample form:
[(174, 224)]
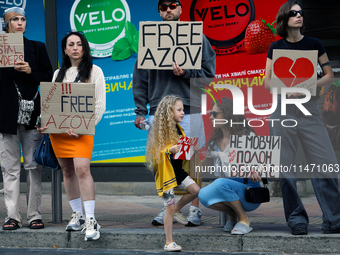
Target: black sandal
[(299, 229), (11, 225), (36, 224)]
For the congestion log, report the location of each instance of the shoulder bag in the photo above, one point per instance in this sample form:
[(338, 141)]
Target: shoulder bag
[(44, 154), (257, 194)]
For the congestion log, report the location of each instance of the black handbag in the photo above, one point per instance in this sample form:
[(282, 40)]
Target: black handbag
[(44, 154), (257, 194)]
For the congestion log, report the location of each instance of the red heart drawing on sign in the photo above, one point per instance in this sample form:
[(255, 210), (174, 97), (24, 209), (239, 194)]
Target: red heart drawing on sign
[(281, 69), (232, 155), (303, 70), (292, 73)]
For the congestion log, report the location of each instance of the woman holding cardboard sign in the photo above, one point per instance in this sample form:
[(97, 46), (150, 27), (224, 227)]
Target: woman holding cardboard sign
[(74, 151), (19, 109), (227, 194), (309, 130)]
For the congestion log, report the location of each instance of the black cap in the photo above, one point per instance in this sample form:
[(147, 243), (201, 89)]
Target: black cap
[(174, 1)]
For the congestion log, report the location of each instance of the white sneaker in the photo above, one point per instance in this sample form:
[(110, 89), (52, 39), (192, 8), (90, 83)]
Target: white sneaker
[(179, 217), (76, 223), (194, 217), (172, 247), (91, 229)]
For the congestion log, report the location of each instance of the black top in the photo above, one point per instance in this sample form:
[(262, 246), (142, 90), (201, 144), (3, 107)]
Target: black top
[(177, 165), (306, 43), (35, 54)]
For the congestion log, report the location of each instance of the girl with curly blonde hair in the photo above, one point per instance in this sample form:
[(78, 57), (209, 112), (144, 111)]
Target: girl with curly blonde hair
[(169, 173)]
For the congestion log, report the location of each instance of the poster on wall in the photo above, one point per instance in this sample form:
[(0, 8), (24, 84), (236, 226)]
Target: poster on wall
[(240, 32), (104, 24), (112, 27)]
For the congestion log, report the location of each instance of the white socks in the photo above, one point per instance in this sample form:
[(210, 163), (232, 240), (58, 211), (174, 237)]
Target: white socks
[(76, 205), (89, 208)]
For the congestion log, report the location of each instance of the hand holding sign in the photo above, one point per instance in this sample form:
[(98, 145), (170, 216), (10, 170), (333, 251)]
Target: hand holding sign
[(186, 147), (178, 71), (22, 66)]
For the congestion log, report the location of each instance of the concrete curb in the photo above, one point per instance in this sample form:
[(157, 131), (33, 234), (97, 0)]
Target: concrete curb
[(192, 239)]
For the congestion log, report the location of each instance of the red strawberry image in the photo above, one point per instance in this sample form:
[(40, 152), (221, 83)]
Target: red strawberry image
[(259, 36)]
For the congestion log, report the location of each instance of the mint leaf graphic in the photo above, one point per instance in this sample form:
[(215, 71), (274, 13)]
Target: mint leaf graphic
[(122, 50), (130, 31), (127, 45)]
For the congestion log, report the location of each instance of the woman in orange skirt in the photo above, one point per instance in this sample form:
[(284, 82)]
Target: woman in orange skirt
[(74, 151)]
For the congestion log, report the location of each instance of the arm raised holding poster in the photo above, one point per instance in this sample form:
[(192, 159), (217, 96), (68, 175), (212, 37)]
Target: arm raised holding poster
[(74, 151)]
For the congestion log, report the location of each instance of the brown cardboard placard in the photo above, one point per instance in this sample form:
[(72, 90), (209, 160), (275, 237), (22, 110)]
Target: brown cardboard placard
[(162, 43), (295, 68), (11, 49), (68, 105), (250, 153)]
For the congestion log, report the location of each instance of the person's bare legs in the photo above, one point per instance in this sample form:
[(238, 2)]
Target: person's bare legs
[(192, 192), (85, 180), (234, 210), (70, 179), (168, 220)]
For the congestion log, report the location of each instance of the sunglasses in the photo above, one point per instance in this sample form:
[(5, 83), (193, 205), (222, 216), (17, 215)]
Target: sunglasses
[(293, 13), (74, 31), (164, 7), (214, 114)]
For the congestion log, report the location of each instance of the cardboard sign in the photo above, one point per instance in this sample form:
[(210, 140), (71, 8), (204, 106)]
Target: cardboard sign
[(295, 68), (254, 153), (66, 106), (187, 148), (11, 49), (162, 43)]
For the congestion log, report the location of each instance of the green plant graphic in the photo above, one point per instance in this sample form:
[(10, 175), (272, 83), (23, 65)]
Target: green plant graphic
[(126, 46)]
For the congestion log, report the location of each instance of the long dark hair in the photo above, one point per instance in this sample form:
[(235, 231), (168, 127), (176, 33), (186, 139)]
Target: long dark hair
[(85, 65), (282, 18), (227, 109)]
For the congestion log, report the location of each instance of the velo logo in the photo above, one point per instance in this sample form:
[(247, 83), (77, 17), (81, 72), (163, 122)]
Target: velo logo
[(102, 23), (225, 22)]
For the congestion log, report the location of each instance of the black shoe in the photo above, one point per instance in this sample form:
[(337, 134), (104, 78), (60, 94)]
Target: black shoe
[(331, 231), (11, 224), (299, 229)]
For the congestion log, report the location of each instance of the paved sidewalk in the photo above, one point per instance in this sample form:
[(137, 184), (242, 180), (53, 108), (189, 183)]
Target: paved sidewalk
[(126, 224)]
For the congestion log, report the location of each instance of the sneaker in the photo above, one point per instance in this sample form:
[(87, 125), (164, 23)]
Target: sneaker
[(91, 229), (172, 247), (76, 223), (159, 219), (1, 191), (179, 217), (194, 217)]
